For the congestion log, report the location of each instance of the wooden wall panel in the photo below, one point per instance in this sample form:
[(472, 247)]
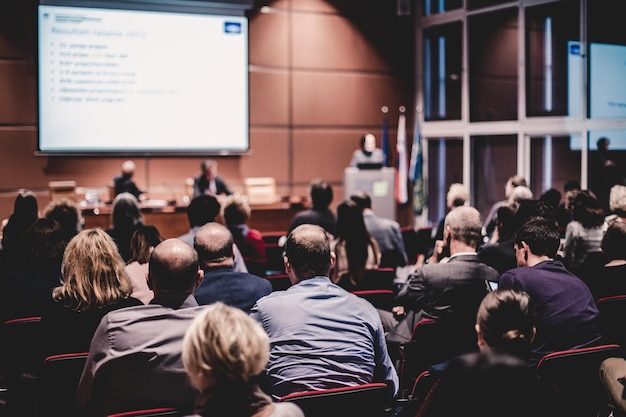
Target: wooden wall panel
[(269, 104), (344, 99), (268, 34), (17, 93)]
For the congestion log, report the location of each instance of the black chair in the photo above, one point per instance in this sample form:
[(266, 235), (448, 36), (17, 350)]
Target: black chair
[(574, 373), (612, 312), (369, 400), (57, 385), (273, 252), (433, 342)]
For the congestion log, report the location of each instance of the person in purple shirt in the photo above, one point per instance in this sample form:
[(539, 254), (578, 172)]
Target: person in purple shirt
[(321, 336), (566, 315)]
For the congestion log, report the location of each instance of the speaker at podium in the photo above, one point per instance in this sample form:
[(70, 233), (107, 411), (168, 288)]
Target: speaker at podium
[(378, 183)]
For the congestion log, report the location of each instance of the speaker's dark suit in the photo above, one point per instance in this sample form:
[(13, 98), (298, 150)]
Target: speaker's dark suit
[(201, 185), (451, 290)]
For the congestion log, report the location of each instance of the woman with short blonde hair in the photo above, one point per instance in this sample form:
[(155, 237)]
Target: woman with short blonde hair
[(224, 350), (94, 283)]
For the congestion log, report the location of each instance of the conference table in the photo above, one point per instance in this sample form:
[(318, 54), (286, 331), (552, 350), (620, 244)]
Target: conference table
[(171, 217)]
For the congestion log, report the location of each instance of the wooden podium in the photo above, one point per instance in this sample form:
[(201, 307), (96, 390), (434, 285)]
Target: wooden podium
[(380, 184)]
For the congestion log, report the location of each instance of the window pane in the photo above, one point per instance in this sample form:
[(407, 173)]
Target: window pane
[(493, 66), (606, 165), (445, 166), (494, 160), (553, 59), (607, 60), (442, 72), (554, 160), (440, 6)]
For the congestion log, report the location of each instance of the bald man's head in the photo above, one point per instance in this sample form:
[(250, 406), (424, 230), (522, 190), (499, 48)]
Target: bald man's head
[(214, 244), (308, 250), (173, 267)]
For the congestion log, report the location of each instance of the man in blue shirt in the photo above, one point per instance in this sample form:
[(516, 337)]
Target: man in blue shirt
[(321, 336)]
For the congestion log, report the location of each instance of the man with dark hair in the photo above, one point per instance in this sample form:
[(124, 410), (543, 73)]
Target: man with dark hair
[(321, 336), (566, 315), (201, 210), (135, 357), (209, 182), (386, 232), (321, 194), (214, 244)]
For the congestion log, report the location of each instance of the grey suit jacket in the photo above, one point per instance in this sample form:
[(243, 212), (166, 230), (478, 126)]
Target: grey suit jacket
[(451, 290), (389, 238)]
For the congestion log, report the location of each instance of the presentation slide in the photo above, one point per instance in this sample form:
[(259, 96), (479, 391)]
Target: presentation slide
[(607, 80), (141, 81)]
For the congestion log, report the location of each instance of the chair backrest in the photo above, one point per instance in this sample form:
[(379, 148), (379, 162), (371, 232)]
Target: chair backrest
[(358, 400), (20, 345), (274, 259), (381, 298), (58, 381), (255, 267), (612, 312), (432, 342), (574, 373), (150, 412)]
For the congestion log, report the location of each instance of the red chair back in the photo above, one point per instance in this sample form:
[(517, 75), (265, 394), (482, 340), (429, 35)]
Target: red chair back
[(381, 298), (150, 412), (612, 312), (58, 381), (359, 400)]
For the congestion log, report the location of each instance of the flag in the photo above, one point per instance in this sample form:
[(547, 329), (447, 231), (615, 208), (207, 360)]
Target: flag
[(402, 172), (385, 139), (415, 170)]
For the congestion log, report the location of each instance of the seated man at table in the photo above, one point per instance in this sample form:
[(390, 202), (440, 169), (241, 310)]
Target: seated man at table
[(124, 182), (209, 182)]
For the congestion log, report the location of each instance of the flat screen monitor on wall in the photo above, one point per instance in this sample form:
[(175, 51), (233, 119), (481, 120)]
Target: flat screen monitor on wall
[(141, 77)]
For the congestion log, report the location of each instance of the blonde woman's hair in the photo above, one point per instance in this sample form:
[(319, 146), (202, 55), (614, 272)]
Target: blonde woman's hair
[(224, 345), (93, 272)]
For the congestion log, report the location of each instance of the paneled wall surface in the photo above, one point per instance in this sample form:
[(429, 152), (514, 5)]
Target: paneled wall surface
[(320, 71)]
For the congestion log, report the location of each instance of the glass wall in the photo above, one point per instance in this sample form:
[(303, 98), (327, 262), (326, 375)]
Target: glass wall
[(445, 156), (493, 66), (554, 160), (442, 72)]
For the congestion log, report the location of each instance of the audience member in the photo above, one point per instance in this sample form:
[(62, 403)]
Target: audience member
[(367, 153), (214, 244), (209, 182), (505, 323), (617, 203), (551, 196), (12, 233), (67, 214), (386, 232), (126, 217), (450, 291), (355, 249), (28, 287), (584, 233), (489, 385), (501, 253), (321, 194), (564, 211), (236, 214), (610, 279), (604, 172), (94, 283), (566, 315), (224, 352), (520, 193), (612, 374), (135, 358), (142, 243), (321, 336), (201, 210), (124, 183), (489, 224), (26, 200), (458, 195)]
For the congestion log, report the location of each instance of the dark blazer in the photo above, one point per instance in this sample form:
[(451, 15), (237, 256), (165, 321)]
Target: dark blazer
[(389, 238), (566, 315), (201, 185), (451, 290), (237, 289)]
